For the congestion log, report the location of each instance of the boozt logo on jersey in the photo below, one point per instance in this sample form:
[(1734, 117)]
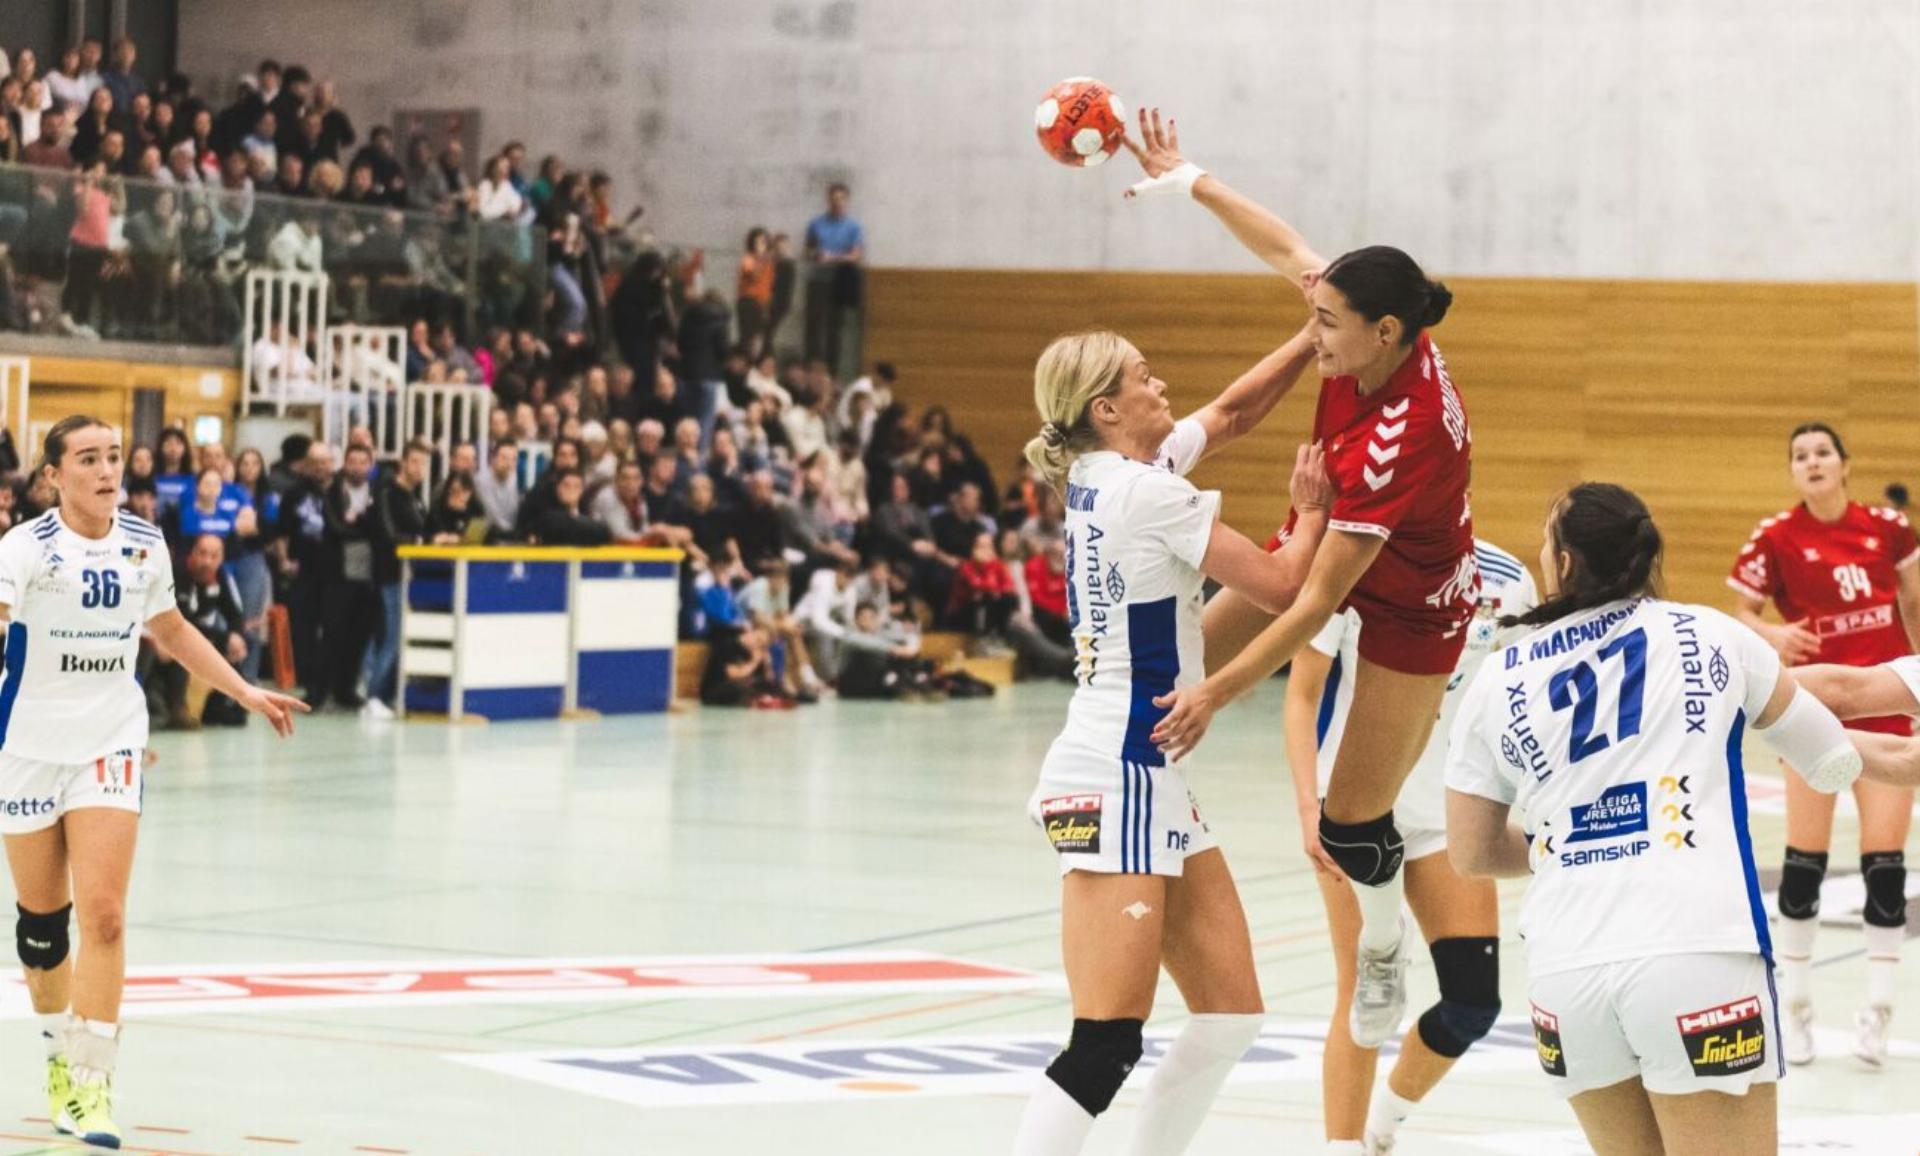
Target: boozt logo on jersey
[(26, 808), (1546, 1041), (1072, 822), (74, 664), (1725, 1040), (1618, 811)]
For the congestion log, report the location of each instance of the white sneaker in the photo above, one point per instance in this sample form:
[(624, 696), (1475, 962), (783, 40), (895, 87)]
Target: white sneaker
[(1870, 1034), (1378, 1145), (1379, 994), (1797, 1025), (374, 709)]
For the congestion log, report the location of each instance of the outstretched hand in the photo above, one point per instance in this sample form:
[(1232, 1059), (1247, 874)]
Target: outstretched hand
[(1311, 487), (1158, 151), (278, 708)]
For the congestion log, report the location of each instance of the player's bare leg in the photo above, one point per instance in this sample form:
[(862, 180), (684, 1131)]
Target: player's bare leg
[(1346, 1069), (38, 863), (1719, 1121), (1809, 843), (1619, 1121), (1387, 728), (1886, 815), (100, 842)]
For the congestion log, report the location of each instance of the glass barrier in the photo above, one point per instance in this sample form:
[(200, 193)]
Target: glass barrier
[(135, 260)]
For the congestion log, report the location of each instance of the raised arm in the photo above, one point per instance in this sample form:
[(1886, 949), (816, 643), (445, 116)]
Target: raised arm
[(1858, 691), (1262, 232), (1244, 404), (1792, 640), (1888, 759), (1910, 602), (1273, 581)]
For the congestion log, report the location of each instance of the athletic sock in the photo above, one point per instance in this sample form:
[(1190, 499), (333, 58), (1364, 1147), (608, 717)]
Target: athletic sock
[(1883, 963), (93, 1049), (1346, 1148), (1187, 1079), (1380, 922), (1053, 1124), (53, 1033), (1388, 1111), (1796, 959)]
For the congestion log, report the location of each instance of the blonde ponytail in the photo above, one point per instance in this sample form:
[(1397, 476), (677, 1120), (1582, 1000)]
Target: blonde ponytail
[(1072, 372)]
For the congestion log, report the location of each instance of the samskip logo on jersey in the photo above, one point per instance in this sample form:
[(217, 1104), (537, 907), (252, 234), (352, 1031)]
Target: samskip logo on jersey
[(1620, 810), (1725, 1040)]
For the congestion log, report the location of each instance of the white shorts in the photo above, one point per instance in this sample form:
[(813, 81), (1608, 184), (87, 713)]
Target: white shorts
[(1682, 1023), (1117, 817), (1421, 843), (33, 794)]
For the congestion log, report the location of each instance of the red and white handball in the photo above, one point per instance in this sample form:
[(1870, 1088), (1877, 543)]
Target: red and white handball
[(1080, 122)]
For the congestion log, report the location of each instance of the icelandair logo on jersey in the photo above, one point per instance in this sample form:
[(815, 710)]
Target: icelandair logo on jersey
[(1725, 1040), (121, 635), (74, 664), (1619, 811)]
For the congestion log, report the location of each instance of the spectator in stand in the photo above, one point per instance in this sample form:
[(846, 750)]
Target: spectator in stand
[(456, 518), (710, 529), (827, 528), (848, 479), (121, 80), (211, 511), (289, 108), (336, 129), (739, 669), (983, 598), (826, 612), (562, 523), (753, 293), (9, 140), (767, 603), (806, 425), (90, 131), (136, 124), (399, 519), (622, 506), (66, 84), (97, 197), (173, 468), (447, 347), (640, 314), (1041, 632), (182, 171), (260, 142), (902, 530), (703, 355), (836, 247), (880, 661), (50, 151), (353, 604), (954, 531), (497, 199), (1046, 527), (208, 598), (728, 468), (499, 488), (540, 495), (389, 179), (312, 564), (291, 178), (786, 279)]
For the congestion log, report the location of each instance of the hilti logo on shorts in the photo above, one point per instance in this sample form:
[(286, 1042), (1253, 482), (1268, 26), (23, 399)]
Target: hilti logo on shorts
[(1385, 446), (1072, 822), (1693, 1023), (1546, 1042)]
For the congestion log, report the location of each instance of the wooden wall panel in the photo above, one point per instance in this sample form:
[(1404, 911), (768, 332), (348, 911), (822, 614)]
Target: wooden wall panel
[(105, 388), (1683, 391)]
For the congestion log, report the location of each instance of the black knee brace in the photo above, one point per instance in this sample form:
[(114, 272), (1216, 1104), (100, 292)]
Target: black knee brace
[(1469, 975), (1096, 1061), (42, 939), (1800, 879), (1885, 874), (1368, 852)]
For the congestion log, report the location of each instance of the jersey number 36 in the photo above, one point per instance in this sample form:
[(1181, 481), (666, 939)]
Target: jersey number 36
[(1577, 688), (103, 589)]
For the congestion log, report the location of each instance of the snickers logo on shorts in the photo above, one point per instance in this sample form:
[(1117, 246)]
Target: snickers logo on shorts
[(1072, 822), (1546, 1042), (1726, 1040)]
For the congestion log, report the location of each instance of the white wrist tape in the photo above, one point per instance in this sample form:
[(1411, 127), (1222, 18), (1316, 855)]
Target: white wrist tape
[(1178, 180), (1808, 736)]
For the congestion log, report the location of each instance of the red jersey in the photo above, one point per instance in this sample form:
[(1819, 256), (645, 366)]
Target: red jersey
[(1840, 577), (1400, 459), (1046, 588)]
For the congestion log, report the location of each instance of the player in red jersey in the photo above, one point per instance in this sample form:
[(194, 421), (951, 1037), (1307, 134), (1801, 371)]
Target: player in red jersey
[(1399, 549), (1846, 580)]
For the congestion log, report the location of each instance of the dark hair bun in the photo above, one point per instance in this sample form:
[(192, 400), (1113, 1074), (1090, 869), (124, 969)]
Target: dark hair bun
[(1439, 300)]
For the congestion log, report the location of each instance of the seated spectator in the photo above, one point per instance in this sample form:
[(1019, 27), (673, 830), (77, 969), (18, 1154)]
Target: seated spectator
[(847, 479), (456, 518), (562, 523), (540, 495), (209, 599), (649, 438), (464, 458), (622, 506), (710, 528), (826, 612), (767, 602), (215, 511), (983, 597), (954, 531), (879, 661), (739, 669), (687, 458), (496, 199), (1041, 633), (727, 468), (499, 487), (459, 359), (600, 461)]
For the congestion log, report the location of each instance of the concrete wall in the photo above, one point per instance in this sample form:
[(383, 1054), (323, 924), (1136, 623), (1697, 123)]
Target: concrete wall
[(1739, 139)]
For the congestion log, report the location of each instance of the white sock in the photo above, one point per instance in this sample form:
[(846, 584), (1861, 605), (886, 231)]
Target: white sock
[(1380, 924), (1054, 1124), (1795, 953), (1346, 1148), (1883, 963), (53, 1033), (1388, 1111), (1187, 1078), (93, 1049)]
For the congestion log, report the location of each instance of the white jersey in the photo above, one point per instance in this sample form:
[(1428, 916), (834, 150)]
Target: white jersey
[(1136, 535), (77, 604), (1908, 669), (1505, 588), (1616, 735)]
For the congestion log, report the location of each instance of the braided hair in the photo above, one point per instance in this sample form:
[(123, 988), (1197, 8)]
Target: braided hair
[(1614, 548)]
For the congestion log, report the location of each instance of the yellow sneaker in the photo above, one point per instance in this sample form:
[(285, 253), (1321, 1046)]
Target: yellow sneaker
[(89, 1114), (59, 1089)]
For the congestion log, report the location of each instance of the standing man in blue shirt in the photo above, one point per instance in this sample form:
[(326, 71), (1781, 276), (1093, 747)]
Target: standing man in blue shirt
[(836, 249)]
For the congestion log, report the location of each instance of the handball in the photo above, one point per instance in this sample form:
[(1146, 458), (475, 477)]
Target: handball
[(1080, 122)]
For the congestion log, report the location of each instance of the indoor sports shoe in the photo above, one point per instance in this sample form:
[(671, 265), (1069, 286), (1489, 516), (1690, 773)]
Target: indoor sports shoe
[(1870, 1034), (1379, 995), (1378, 1145), (1797, 1026), (59, 1089), (88, 1114)]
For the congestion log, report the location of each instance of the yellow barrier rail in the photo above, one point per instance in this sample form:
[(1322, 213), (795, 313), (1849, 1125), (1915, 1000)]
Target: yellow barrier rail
[(542, 553)]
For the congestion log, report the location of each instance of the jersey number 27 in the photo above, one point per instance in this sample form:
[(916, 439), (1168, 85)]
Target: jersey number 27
[(103, 589), (1577, 688)]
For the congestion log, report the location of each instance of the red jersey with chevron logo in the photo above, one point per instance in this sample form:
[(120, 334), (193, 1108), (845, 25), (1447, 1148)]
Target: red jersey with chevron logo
[(1400, 459)]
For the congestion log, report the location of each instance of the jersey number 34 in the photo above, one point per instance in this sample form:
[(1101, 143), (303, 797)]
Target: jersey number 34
[(1577, 689), (103, 589)]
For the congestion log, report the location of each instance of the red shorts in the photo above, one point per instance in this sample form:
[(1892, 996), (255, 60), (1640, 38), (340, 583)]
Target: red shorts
[(1895, 724), (1387, 640)]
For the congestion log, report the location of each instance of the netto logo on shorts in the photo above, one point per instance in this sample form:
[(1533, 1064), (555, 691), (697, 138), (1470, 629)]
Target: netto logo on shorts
[(1725, 1040), (1072, 822), (1546, 1042), (26, 808), (74, 664)]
